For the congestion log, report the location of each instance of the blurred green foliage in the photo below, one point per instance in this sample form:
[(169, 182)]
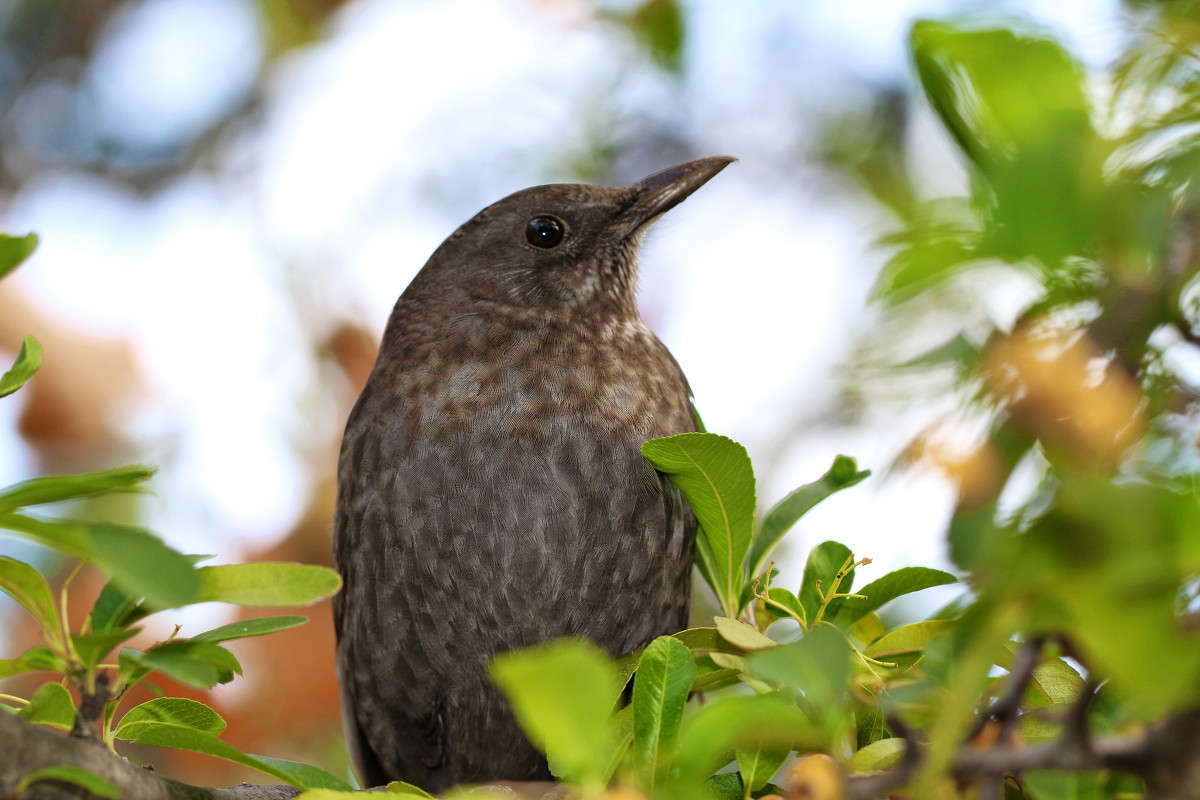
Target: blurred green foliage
[(658, 26)]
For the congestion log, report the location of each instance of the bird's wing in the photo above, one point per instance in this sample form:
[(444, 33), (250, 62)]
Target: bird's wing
[(393, 718)]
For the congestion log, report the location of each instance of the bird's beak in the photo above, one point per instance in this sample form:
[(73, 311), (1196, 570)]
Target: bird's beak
[(662, 191)]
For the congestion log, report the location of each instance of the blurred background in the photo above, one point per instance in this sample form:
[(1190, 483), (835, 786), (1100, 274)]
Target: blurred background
[(231, 194)]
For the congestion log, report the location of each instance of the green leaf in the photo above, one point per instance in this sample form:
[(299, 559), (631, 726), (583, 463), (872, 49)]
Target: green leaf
[(51, 705), (623, 669), (658, 25), (783, 601), (709, 737), (725, 786), (929, 253), (29, 359), (170, 711), (660, 691), (26, 585), (715, 475), (757, 765), (743, 636), (878, 756), (132, 669), (1017, 106), (142, 565), (823, 564), (408, 790), (1062, 785), (250, 627), (1057, 681), (113, 610), (881, 592), (729, 662), (728, 786), (198, 664), (1053, 682), (562, 694), (909, 638), (783, 515), (267, 584), (818, 665), (176, 737), (973, 79), (56, 488), (701, 639), (92, 647), (620, 727), (65, 536), (35, 659), (137, 561), (300, 774), (867, 629), (715, 679), (14, 250), (93, 784)]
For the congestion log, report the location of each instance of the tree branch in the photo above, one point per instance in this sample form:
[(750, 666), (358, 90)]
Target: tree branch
[(91, 708), (1167, 758), (25, 747)]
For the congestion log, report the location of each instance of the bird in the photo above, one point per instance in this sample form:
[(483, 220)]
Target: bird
[(491, 492)]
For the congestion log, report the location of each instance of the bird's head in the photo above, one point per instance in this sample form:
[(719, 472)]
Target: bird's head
[(561, 245)]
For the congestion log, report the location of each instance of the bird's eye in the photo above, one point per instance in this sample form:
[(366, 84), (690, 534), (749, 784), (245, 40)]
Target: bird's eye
[(545, 231)]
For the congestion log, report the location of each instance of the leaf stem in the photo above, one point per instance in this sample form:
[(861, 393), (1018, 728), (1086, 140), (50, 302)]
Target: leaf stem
[(826, 598), (869, 662), (77, 671)]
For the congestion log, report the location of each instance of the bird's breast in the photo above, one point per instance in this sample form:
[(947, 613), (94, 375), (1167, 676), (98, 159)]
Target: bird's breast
[(532, 384)]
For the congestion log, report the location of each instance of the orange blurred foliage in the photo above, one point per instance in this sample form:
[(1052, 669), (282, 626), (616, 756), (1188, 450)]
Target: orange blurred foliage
[(972, 464), (816, 777), (1078, 402)]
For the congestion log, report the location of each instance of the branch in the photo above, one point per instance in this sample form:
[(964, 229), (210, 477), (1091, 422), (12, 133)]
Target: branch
[(91, 708), (25, 747), (1167, 758)]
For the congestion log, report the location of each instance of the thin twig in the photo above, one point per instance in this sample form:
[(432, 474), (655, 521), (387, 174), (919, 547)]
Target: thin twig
[(1007, 708), (1076, 731)]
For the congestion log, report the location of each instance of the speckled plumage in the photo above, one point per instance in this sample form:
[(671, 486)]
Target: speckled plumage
[(491, 490)]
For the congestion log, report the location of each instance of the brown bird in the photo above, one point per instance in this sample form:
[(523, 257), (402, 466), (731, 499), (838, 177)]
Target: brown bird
[(491, 490)]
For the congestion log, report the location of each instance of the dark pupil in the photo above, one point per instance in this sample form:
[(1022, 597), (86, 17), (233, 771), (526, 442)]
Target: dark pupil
[(544, 232)]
